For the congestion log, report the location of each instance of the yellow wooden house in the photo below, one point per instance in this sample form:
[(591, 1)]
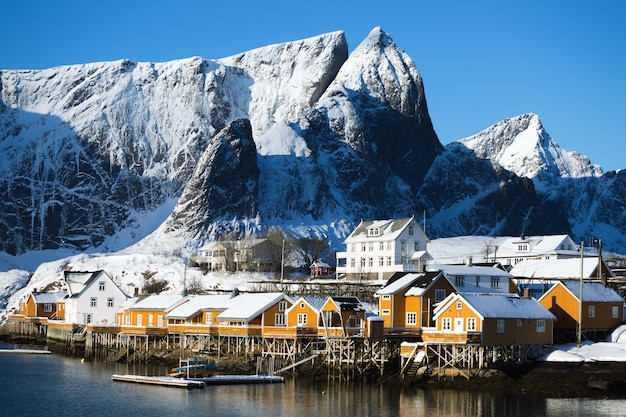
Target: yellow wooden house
[(303, 318), (407, 301), (198, 314), (43, 304), (491, 319), (602, 307), (254, 314), (343, 316), (147, 314)]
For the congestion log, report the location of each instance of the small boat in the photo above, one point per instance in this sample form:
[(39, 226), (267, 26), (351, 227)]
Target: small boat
[(192, 368)]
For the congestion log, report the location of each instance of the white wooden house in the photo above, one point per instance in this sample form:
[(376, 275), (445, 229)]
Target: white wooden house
[(377, 249), (477, 278), (93, 297), (523, 248)]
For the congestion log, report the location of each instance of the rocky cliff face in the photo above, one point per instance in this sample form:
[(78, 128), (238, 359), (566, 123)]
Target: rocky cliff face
[(300, 135)]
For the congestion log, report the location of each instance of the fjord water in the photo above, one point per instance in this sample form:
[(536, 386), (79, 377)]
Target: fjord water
[(56, 385)]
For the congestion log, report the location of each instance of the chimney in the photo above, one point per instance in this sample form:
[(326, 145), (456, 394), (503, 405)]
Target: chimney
[(422, 268), (468, 261), (136, 291), (526, 292)]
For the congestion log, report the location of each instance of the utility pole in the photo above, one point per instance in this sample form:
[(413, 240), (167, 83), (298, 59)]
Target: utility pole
[(580, 300)]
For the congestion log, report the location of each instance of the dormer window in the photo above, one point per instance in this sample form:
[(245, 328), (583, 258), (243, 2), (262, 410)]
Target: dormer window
[(522, 247), (373, 231)]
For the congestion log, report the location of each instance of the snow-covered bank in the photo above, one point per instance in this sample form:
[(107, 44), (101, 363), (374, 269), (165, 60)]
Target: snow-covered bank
[(612, 350)]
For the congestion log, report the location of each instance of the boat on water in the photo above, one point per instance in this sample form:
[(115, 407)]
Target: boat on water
[(192, 367)]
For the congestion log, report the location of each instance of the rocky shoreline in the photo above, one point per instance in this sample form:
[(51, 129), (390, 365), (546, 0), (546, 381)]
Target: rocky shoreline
[(545, 379)]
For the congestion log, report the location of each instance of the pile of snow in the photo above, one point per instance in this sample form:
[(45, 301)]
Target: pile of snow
[(613, 350)]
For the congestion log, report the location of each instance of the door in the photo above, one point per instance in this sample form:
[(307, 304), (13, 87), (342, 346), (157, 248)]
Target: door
[(458, 324)]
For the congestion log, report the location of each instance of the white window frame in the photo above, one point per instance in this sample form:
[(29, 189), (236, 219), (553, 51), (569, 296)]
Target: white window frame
[(385, 312), (282, 305), (209, 318), (500, 326), (411, 318), (471, 324), (541, 326), (279, 319), (446, 324), (47, 308), (302, 319)]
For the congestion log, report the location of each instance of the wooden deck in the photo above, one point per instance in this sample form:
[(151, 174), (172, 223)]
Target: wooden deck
[(200, 382)]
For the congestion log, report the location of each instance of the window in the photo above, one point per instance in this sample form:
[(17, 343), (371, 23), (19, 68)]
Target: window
[(403, 246), (519, 323), (279, 319), (541, 326), (388, 260), (440, 294), (446, 323), (282, 305), (160, 321), (301, 319), (410, 230), (363, 247), (459, 305), (209, 317), (386, 297), (591, 312), (411, 319), (615, 312), (471, 324), (385, 312), (47, 308), (363, 262), (500, 326), (388, 245), (139, 319), (478, 281), (101, 285), (495, 282), (416, 246), (370, 262), (381, 246), (381, 261), (459, 280), (93, 302), (352, 262), (110, 302)]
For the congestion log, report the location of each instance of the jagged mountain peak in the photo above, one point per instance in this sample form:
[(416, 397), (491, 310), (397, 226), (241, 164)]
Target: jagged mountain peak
[(522, 146), (383, 71)]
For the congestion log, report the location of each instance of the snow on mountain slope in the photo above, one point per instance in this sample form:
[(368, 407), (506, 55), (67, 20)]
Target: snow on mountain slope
[(522, 146)]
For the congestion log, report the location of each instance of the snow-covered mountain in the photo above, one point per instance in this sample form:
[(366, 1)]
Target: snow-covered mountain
[(163, 157)]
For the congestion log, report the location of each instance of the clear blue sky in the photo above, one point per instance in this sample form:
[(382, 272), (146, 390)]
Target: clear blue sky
[(481, 62)]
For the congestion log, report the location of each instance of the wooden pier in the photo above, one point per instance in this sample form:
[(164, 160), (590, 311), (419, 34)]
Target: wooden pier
[(159, 380), (200, 382)]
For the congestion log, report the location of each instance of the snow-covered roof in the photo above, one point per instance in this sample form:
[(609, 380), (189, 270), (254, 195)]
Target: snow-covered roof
[(504, 306), (235, 244), (159, 302), (399, 284), (537, 246), (473, 270), (199, 303), (593, 292), (389, 230), (247, 306), (555, 268), (48, 297)]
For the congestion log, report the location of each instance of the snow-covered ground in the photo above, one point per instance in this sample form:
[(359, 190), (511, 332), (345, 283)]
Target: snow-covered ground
[(612, 350)]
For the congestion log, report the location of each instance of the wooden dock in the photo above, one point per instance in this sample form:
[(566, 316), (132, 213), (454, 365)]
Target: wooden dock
[(200, 382), (159, 380), (23, 351)]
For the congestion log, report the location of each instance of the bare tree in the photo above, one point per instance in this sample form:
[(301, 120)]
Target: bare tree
[(312, 249)]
